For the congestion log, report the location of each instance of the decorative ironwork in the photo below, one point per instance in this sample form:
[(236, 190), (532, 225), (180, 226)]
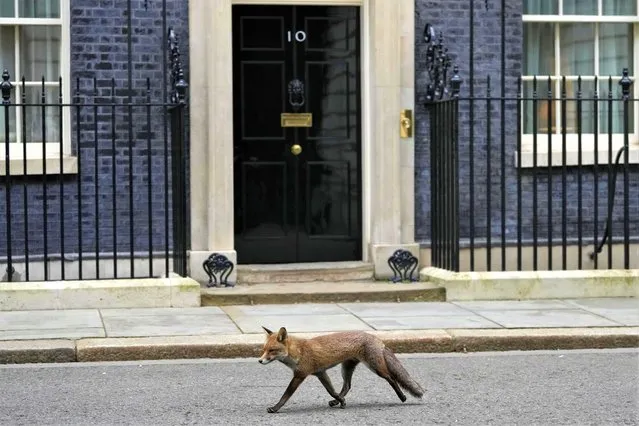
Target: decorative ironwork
[(11, 275), (625, 84), (5, 87), (296, 93), (178, 83), (438, 63), (403, 264), (218, 264)]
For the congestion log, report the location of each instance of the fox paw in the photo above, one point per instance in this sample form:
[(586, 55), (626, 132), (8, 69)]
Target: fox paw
[(335, 402), (272, 409)]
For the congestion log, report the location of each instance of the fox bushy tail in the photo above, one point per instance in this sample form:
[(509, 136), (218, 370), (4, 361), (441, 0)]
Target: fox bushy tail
[(399, 373)]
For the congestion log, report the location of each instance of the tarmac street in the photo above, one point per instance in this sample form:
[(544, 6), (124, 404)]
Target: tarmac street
[(579, 387)]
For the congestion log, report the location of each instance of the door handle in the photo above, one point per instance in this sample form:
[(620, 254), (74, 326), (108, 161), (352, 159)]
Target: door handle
[(296, 149), (406, 123)]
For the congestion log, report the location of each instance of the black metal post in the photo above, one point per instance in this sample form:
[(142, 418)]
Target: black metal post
[(5, 89), (549, 172), (579, 174), (78, 110), (61, 179), (625, 84), (149, 170), (471, 140), (519, 189), (114, 189), (503, 134), (564, 217), (534, 176), (596, 170), (25, 191), (489, 173), (96, 166), (45, 222)]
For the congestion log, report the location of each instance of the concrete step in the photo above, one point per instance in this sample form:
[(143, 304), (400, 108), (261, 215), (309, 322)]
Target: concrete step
[(323, 292), (304, 273)]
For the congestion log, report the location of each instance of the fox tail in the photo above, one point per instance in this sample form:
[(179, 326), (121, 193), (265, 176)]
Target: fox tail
[(399, 373)]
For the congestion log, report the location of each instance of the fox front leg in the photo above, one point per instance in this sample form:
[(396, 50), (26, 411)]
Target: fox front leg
[(292, 387), (326, 381)]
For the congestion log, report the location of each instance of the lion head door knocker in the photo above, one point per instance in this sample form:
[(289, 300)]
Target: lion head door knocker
[(296, 94)]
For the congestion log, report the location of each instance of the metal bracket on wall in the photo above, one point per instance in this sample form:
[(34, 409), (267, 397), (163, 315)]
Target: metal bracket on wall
[(403, 264), (218, 264)]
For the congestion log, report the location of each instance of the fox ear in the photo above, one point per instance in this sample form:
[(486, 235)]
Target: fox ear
[(269, 332), (281, 335)]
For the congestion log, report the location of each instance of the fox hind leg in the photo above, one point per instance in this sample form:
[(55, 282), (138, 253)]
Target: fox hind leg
[(379, 367), (348, 368)]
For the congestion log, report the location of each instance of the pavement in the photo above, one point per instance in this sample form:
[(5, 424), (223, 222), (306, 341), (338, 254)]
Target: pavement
[(235, 331)]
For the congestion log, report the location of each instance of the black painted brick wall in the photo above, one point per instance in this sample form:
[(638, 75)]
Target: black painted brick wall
[(99, 50), (452, 17)]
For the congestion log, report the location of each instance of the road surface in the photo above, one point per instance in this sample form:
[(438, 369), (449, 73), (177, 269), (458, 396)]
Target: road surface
[(594, 387)]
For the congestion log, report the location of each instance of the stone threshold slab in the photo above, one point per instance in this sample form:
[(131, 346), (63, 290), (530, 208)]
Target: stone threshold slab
[(314, 292)]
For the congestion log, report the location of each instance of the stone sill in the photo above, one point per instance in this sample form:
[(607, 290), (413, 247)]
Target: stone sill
[(572, 154), (35, 167)]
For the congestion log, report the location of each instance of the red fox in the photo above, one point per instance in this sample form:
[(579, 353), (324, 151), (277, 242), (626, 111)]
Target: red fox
[(315, 356)]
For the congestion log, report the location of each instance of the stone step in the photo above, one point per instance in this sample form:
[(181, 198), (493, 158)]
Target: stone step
[(323, 292), (304, 273)]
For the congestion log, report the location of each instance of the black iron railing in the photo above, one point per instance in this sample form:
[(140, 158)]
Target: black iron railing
[(556, 189), (92, 187)]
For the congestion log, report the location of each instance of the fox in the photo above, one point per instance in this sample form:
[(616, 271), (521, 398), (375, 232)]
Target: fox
[(316, 355)]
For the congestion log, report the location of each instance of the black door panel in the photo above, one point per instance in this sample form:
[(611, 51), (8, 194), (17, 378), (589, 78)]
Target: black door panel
[(306, 207)]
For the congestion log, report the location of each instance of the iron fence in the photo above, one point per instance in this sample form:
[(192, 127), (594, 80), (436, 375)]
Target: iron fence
[(557, 188), (93, 186)]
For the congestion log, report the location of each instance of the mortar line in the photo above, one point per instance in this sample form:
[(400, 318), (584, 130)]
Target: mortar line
[(228, 315), (103, 324)]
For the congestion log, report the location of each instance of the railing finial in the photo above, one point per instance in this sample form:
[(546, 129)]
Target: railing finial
[(625, 84), (6, 87), (178, 83)]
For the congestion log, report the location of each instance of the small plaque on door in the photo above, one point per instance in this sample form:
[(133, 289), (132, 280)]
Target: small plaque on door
[(296, 119)]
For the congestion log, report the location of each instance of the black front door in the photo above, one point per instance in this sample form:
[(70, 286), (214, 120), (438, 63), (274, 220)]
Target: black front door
[(297, 189)]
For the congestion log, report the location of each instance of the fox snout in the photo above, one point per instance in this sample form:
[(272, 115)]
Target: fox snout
[(265, 359)]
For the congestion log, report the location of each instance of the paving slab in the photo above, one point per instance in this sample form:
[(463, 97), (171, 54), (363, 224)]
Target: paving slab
[(530, 318), (300, 323), (606, 303), (204, 310), (404, 309), (429, 322), (24, 320), (21, 325), (514, 305), (623, 311), (167, 323), (288, 309), (52, 333)]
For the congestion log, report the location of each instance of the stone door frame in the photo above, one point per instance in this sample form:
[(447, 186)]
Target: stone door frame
[(387, 67)]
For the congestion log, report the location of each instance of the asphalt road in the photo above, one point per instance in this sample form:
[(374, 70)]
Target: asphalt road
[(597, 387)]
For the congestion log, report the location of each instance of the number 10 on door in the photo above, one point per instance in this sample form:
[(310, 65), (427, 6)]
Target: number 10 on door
[(299, 36)]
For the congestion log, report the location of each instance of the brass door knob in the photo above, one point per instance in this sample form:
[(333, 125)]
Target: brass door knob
[(296, 149)]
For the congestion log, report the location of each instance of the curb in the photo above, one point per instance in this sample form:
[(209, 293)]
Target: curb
[(250, 345)]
